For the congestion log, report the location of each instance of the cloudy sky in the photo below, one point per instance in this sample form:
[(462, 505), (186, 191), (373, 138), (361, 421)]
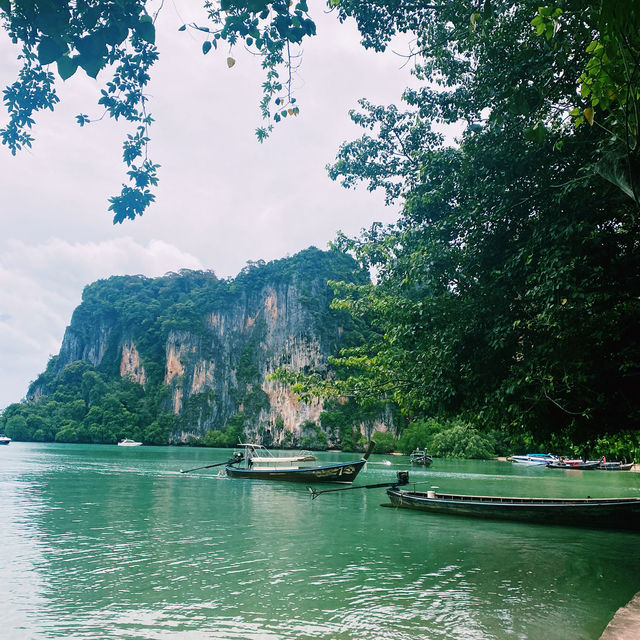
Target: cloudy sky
[(223, 198)]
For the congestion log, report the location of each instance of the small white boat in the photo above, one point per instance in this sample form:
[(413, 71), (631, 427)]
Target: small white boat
[(129, 443), (535, 459), (4, 439)]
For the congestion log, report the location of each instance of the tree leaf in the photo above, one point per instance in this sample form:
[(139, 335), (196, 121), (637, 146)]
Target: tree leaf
[(91, 66), (50, 49), (588, 115), (206, 47), (146, 30), (230, 62), (66, 66)]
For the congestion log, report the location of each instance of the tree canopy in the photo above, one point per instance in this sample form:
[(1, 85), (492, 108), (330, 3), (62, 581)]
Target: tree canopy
[(507, 293), (461, 47)]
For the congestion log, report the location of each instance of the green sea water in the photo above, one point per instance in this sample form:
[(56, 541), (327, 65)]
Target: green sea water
[(108, 542)]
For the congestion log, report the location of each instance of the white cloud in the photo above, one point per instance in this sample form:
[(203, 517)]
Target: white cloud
[(41, 284)]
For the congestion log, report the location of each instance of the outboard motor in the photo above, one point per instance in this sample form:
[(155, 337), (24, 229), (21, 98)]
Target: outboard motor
[(403, 478)]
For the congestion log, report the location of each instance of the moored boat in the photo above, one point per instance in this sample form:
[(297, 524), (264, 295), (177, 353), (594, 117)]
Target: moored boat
[(584, 465), (420, 456), (4, 439), (599, 513), (129, 443), (259, 464), (615, 466), (541, 459)]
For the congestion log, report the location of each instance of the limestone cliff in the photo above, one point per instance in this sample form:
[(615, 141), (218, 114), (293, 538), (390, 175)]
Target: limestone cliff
[(205, 348)]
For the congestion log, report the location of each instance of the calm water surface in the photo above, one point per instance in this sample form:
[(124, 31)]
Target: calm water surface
[(114, 543)]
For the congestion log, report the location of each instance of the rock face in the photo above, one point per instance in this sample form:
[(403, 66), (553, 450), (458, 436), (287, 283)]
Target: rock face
[(217, 363), (130, 365), (225, 369)]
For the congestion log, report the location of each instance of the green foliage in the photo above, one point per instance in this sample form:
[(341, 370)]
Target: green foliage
[(385, 442), (621, 446), (419, 435), (17, 428), (511, 253), (91, 36), (447, 439), (339, 425), (343, 418), (312, 436), (474, 54), (270, 30), (609, 95), (119, 37), (83, 405), (462, 441), (230, 436)]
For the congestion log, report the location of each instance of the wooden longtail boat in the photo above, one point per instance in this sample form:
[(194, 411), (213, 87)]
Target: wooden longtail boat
[(615, 466), (256, 463), (597, 513), (575, 464), (420, 456)]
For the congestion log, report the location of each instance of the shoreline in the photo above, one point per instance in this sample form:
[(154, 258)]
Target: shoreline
[(625, 624)]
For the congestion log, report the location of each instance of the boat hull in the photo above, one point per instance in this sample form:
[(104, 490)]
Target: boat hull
[(534, 459), (615, 466), (596, 513), (342, 473), (583, 466)]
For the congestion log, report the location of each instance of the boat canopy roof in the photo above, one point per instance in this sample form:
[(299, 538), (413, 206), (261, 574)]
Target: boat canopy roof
[(266, 457)]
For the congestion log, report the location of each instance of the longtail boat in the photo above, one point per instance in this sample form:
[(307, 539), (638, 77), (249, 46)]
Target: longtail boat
[(598, 513), (420, 456), (615, 466), (584, 465), (256, 463)]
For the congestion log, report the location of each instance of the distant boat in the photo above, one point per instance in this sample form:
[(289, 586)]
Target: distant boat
[(575, 464), (535, 459), (420, 456), (599, 513), (615, 466), (4, 439), (257, 463), (129, 443)]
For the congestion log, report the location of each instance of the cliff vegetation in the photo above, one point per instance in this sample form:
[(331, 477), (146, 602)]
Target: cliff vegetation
[(189, 357)]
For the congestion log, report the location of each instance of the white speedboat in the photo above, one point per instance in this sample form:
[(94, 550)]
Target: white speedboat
[(129, 443), (535, 459), (4, 439)]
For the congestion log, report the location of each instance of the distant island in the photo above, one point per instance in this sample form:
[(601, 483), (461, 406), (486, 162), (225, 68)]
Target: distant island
[(186, 359)]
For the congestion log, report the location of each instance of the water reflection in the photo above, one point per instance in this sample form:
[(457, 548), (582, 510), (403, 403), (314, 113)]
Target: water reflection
[(106, 545)]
